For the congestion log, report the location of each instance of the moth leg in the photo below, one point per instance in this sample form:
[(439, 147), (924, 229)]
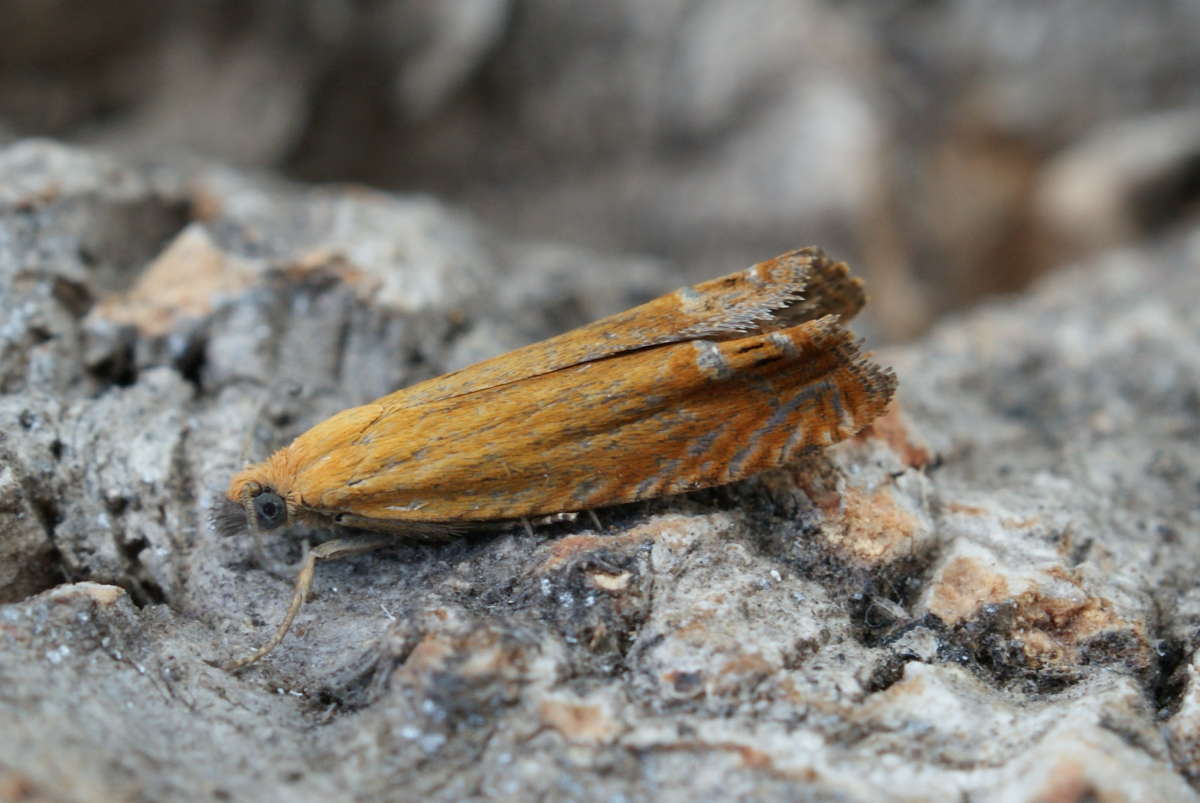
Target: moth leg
[(595, 520), (329, 550), (528, 526), (281, 569)]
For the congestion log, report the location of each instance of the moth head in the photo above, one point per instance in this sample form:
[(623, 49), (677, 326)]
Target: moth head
[(266, 509), (252, 504)]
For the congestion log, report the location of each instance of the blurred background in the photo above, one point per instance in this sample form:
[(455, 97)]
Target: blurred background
[(950, 150)]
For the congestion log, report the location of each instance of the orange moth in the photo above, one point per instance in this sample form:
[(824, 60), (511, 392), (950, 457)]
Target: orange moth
[(700, 387)]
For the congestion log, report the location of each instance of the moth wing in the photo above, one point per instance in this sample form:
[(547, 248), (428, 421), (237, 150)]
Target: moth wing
[(798, 286), (641, 424)]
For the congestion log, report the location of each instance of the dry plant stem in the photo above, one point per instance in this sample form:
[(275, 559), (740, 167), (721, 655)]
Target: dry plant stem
[(329, 550)]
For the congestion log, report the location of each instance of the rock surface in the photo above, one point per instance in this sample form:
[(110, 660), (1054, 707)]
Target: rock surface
[(992, 595)]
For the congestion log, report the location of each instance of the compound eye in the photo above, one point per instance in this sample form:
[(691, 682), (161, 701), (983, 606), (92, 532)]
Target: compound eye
[(270, 511)]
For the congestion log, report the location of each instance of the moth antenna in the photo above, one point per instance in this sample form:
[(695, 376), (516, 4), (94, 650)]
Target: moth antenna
[(329, 550), (304, 580)]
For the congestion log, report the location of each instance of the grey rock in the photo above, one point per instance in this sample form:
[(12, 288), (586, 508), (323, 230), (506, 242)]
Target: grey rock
[(991, 595)]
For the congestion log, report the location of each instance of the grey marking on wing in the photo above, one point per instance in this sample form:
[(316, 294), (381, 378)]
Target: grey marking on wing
[(846, 421), (784, 343), (734, 469), (583, 492), (410, 507), (705, 441), (805, 395), (655, 483), (710, 361)]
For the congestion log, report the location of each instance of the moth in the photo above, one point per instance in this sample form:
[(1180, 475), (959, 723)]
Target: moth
[(700, 387)]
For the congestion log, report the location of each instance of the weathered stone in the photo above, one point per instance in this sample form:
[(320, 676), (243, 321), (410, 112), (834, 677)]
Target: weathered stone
[(991, 594)]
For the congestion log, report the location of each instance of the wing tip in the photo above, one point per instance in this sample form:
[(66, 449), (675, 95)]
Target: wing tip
[(873, 385), (870, 384), (829, 288)]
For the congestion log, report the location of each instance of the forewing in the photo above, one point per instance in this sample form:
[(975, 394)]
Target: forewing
[(641, 424), (792, 288)]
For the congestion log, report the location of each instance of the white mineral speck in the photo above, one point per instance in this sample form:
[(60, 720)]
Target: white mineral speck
[(432, 742), (56, 655)]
